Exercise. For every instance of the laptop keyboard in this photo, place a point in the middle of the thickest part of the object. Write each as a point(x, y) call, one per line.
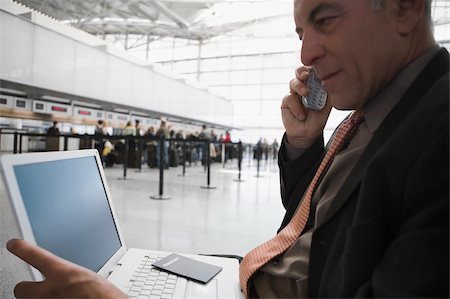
point(149, 282)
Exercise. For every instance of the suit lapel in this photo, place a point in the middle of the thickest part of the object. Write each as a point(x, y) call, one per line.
point(436, 68)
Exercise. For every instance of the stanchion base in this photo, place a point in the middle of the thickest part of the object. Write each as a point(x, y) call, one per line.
point(259, 176)
point(159, 197)
point(123, 178)
point(139, 171)
point(208, 187)
point(239, 180)
point(182, 175)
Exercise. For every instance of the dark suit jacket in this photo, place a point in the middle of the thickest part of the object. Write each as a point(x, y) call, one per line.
point(387, 232)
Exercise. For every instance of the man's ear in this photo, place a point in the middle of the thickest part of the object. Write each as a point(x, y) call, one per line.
point(408, 14)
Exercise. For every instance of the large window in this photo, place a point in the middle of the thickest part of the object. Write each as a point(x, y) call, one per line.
point(252, 67)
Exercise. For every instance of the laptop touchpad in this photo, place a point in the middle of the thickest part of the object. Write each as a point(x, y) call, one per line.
point(197, 290)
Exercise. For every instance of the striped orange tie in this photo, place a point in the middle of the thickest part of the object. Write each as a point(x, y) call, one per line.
point(262, 254)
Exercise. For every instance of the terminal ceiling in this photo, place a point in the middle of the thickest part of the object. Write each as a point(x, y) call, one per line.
point(187, 19)
point(145, 21)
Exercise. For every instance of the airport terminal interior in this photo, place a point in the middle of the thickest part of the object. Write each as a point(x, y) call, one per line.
point(211, 73)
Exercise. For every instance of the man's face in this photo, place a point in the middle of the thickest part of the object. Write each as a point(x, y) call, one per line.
point(351, 45)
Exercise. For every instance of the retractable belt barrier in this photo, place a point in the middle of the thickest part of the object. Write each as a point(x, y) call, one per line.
point(88, 141)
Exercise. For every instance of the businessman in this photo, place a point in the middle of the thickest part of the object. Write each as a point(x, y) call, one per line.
point(368, 214)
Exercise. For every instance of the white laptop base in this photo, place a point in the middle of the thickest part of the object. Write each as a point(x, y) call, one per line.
point(124, 277)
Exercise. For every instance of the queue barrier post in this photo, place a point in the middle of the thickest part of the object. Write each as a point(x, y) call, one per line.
point(190, 156)
point(240, 157)
point(66, 142)
point(140, 152)
point(249, 148)
point(222, 153)
point(125, 159)
point(15, 142)
point(258, 160)
point(184, 159)
point(208, 167)
point(160, 195)
point(20, 143)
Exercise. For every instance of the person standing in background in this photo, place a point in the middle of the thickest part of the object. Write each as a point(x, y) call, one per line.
point(52, 141)
point(228, 147)
point(137, 127)
point(274, 147)
point(100, 132)
point(53, 130)
point(129, 129)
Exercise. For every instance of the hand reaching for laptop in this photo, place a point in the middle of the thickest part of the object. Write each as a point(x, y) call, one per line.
point(63, 279)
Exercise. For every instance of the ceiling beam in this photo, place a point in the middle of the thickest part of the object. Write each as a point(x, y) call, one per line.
point(167, 29)
point(140, 11)
point(442, 21)
point(182, 23)
point(108, 11)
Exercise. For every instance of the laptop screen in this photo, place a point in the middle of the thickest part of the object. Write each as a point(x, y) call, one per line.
point(68, 210)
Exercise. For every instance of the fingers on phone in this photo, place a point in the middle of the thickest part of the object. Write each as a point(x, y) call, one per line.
point(302, 73)
point(298, 87)
point(292, 103)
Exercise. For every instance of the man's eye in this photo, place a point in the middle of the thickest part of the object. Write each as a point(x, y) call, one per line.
point(325, 22)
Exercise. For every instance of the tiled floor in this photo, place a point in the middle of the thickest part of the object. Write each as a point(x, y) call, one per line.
point(232, 218)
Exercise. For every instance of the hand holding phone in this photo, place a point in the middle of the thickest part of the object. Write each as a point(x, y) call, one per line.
point(303, 122)
point(317, 97)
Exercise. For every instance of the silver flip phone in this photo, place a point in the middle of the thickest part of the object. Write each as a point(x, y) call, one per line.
point(317, 96)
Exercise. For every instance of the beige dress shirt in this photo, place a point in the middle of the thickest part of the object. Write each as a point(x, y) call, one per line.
point(287, 275)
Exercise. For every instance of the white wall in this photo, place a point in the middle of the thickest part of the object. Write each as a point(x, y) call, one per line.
point(32, 53)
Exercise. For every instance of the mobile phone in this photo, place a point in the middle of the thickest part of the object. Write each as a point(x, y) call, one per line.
point(317, 96)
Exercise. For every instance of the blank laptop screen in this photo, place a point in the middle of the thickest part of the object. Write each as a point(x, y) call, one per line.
point(68, 210)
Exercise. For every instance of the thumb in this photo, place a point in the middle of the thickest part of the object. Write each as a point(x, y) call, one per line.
point(29, 289)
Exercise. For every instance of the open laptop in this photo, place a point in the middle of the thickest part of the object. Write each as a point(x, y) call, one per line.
point(62, 203)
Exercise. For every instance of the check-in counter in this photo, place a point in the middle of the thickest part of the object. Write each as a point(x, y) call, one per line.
point(7, 140)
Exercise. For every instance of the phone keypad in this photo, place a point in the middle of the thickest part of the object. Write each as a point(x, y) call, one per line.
point(317, 96)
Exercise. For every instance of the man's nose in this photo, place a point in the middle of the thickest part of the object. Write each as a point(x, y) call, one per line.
point(312, 48)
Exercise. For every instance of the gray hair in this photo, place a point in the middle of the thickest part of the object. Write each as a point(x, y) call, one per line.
point(377, 4)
